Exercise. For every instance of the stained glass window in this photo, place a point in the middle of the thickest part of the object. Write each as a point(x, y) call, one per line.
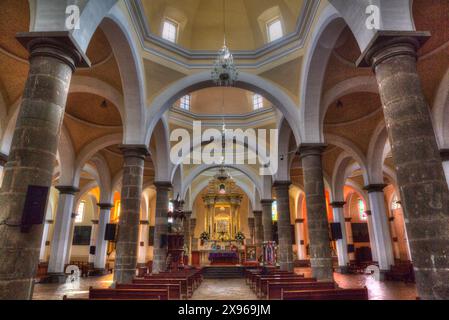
point(362, 212)
point(80, 212)
point(275, 211)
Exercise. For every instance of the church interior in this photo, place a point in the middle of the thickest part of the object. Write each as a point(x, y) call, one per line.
point(103, 198)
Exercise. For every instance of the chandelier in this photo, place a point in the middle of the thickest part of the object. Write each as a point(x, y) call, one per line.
point(225, 72)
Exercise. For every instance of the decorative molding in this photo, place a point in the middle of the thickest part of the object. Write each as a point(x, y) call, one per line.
point(105, 206)
point(296, 40)
point(337, 204)
point(372, 188)
point(67, 190)
point(144, 222)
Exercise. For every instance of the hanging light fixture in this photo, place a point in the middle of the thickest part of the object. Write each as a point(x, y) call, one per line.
point(225, 72)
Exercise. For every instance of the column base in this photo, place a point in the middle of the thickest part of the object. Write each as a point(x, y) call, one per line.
point(55, 278)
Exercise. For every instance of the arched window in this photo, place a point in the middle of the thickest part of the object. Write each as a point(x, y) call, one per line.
point(185, 102)
point(275, 211)
point(171, 208)
point(274, 29)
point(257, 102)
point(170, 30)
point(362, 213)
point(80, 212)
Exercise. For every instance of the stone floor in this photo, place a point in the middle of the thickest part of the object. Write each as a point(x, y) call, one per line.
point(231, 289)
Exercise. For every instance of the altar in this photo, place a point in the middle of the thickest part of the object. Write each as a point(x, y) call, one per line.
point(224, 258)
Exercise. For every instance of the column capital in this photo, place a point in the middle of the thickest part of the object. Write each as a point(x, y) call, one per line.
point(105, 206)
point(299, 221)
point(387, 44)
point(338, 204)
point(67, 190)
point(368, 213)
point(282, 184)
point(95, 222)
point(257, 213)
point(49, 221)
point(3, 159)
point(144, 222)
point(308, 149)
point(375, 188)
point(56, 44)
point(348, 219)
point(134, 150)
point(163, 185)
point(267, 202)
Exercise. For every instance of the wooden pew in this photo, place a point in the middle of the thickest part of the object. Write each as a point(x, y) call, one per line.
point(255, 276)
point(127, 294)
point(260, 281)
point(261, 285)
point(181, 282)
point(274, 289)
point(335, 294)
point(174, 290)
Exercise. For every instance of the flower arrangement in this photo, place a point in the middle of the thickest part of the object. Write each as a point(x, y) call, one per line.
point(205, 236)
point(240, 237)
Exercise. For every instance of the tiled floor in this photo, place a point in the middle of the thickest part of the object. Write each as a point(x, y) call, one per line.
point(235, 289)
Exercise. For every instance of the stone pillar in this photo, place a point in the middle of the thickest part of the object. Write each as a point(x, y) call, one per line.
point(286, 260)
point(101, 244)
point(420, 174)
point(342, 244)
point(144, 236)
point(381, 227)
point(320, 250)
point(53, 58)
point(258, 228)
point(372, 235)
point(43, 256)
point(61, 234)
point(193, 240)
point(251, 225)
point(161, 227)
point(300, 242)
point(267, 219)
point(70, 242)
point(187, 237)
point(3, 161)
point(93, 239)
point(128, 230)
point(350, 240)
point(394, 238)
point(445, 158)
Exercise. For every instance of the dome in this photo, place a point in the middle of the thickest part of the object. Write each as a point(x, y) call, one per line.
point(200, 22)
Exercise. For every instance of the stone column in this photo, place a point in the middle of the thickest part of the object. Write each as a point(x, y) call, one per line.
point(300, 242)
point(61, 234)
point(187, 237)
point(251, 225)
point(320, 250)
point(267, 219)
point(445, 158)
point(101, 244)
point(349, 238)
point(144, 235)
point(53, 58)
point(128, 230)
point(3, 161)
point(381, 227)
point(193, 240)
point(420, 174)
point(342, 244)
point(394, 238)
point(161, 227)
point(372, 235)
point(258, 228)
point(43, 256)
point(93, 239)
point(286, 260)
point(71, 233)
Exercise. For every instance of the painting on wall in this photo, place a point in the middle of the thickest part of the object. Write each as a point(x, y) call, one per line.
point(81, 235)
point(250, 254)
point(360, 232)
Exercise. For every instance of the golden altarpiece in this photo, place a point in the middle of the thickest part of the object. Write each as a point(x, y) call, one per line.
point(222, 205)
